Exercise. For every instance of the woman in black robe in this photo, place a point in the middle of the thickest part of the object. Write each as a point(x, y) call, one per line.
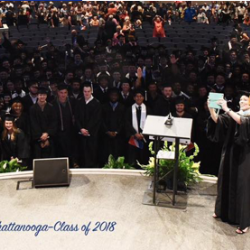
point(13, 141)
point(233, 198)
point(21, 119)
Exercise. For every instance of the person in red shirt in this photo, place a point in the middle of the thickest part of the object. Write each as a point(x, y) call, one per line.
point(159, 27)
point(111, 10)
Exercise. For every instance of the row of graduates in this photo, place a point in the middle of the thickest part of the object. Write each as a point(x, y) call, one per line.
point(85, 130)
point(110, 129)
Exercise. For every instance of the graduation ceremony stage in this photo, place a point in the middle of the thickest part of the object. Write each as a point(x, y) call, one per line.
point(111, 196)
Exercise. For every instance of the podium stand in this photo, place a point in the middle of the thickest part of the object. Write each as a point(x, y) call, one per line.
point(180, 129)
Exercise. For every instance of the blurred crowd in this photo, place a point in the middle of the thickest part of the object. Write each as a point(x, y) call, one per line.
point(169, 81)
point(93, 13)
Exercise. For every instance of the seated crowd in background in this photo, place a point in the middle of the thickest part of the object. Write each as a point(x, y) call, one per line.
point(86, 102)
point(92, 13)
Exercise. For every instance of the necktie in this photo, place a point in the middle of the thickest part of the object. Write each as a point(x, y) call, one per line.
point(138, 115)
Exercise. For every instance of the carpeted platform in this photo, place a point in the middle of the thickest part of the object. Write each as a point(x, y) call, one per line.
point(112, 198)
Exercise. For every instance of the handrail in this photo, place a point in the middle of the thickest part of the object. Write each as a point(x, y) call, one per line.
point(96, 171)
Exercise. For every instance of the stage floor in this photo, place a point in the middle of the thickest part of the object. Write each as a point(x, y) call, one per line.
point(112, 198)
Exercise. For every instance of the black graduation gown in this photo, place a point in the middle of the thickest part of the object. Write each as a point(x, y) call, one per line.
point(64, 138)
point(43, 122)
point(163, 106)
point(88, 116)
point(185, 115)
point(128, 102)
point(152, 101)
point(18, 148)
point(113, 121)
point(134, 153)
point(80, 96)
point(233, 198)
point(101, 96)
point(22, 122)
point(210, 151)
point(27, 103)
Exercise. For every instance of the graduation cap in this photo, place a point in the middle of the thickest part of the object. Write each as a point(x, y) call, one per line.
point(233, 35)
point(179, 100)
point(2, 69)
point(125, 63)
point(243, 92)
point(87, 85)
point(16, 100)
point(201, 86)
point(113, 91)
point(103, 76)
point(21, 42)
point(176, 52)
point(32, 82)
point(139, 91)
point(125, 80)
point(42, 90)
point(233, 50)
point(153, 83)
point(220, 74)
point(131, 62)
point(156, 73)
point(190, 49)
point(5, 58)
point(202, 58)
point(7, 94)
point(9, 117)
point(205, 48)
point(115, 61)
point(62, 87)
point(102, 63)
point(212, 53)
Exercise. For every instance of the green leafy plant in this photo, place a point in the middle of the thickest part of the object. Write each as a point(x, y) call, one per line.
point(188, 170)
point(11, 166)
point(118, 163)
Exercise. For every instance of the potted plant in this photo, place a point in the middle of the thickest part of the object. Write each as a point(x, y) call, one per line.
point(118, 163)
point(11, 166)
point(188, 170)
